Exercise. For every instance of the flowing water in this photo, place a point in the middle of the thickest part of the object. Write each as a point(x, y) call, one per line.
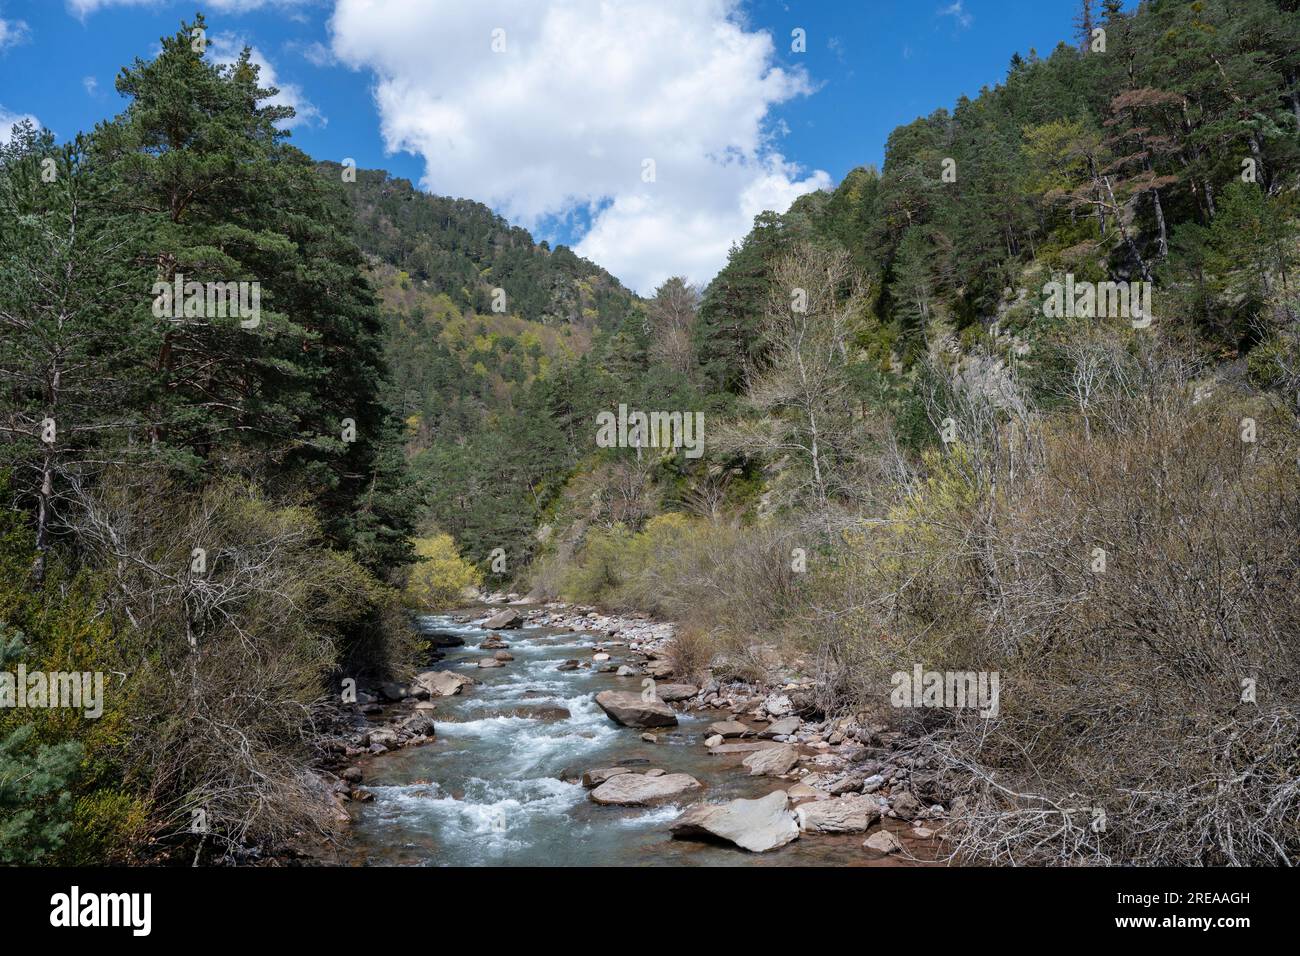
point(491, 790)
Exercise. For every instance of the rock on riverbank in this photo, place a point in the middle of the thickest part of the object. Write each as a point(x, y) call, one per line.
point(754, 825)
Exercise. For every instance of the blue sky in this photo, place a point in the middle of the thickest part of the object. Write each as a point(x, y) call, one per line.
point(554, 128)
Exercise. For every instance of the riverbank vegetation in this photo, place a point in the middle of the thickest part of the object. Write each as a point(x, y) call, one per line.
point(911, 456)
point(933, 466)
point(206, 509)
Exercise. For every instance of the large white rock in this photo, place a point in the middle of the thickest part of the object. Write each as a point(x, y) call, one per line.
point(631, 710)
point(441, 683)
point(633, 789)
point(853, 814)
point(755, 825)
point(503, 619)
point(771, 762)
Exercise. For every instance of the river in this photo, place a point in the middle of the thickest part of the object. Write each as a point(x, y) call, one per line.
point(491, 788)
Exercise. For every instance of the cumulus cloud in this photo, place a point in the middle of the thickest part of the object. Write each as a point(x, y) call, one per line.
point(12, 32)
point(9, 120)
point(563, 119)
point(226, 47)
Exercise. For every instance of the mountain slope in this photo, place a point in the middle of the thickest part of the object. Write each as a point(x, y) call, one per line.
point(464, 250)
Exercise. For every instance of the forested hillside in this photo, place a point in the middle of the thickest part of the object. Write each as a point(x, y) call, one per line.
point(205, 504)
point(462, 249)
point(940, 427)
point(936, 433)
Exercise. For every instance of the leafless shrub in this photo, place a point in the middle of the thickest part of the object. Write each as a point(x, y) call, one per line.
point(233, 648)
point(1133, 584)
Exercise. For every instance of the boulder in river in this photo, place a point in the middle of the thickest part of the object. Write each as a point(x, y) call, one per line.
point(503, 619)
point(535, 712)
point(568, 666)
point(490, 662)
point(853, 814)
point(772, 761)
point(418, 725)
point(441, 683)
point(631, 710)
point(882, 842)
point(729, 728)
point(748, 747)
point(634, 789)
point(803, 791)
point(754, 825)
point(781, 728)
point(594, 778)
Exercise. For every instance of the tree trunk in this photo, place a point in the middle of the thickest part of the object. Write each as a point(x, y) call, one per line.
point(1160, 223)
point(43, 498)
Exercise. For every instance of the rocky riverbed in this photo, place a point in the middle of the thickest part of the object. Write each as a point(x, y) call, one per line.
point(556, 734)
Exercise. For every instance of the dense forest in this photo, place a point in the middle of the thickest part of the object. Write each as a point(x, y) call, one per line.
point(911, 451)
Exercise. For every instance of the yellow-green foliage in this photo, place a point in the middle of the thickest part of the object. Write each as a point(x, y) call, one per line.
point(637, 570)
point(441, 575)
point(106, 825)
point(64, 631)
point(728, 580)
point(601, 568)
point(945, 495)
point(911, 555)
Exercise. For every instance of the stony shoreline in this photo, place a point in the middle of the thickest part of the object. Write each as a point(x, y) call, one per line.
point(830, 776)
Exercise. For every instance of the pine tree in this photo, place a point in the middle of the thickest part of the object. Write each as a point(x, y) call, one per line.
point(74, 327)
point(296, 390)
point(1083, 25)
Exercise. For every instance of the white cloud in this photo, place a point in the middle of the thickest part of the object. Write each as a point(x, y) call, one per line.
point(315, 53)
point(226, 47)
point(12, 32)
point(91, 84)
point(958, 13)
point(8, 120)
point(563, 119)
point(83, 8)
